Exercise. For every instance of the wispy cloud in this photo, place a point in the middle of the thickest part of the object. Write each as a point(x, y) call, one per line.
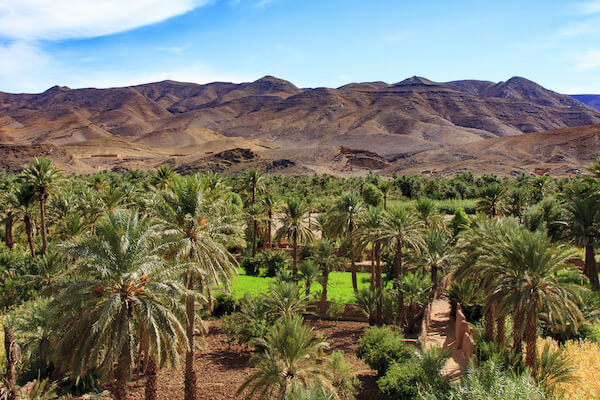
point(588, 7)
point(588, 60)
point(64, 19)
point(588, 27)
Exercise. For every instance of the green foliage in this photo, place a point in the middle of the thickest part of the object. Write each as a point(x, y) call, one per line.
point(272, 261)
point(371, 195)
point(336, 309)
point(342, 376)
point(401, 381)
point(251, 266)
point(380, 347)
point(225, 304)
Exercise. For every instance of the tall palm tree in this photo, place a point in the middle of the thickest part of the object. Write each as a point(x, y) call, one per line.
point(254, 182)
point(437, 253)
point(290, 357)
point(254, 216)
point(294, 227)
point(162, 176)
point(584, 229)
point(43, 178)
point(200, 229)
point(9, 213)
point(426, 210)
point(342, 221)
point(516, 202)
point(371, 232)
point(269, 206)
point(385, 187)
point(492, 200)
point(25, 197)
point(120, 293)
point(529, 282)
point(328, 262)
point(401, 230)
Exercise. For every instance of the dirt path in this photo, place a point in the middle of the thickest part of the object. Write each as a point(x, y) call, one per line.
point(441, 333)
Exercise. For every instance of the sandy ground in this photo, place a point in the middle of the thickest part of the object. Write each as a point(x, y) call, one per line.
point(221, 367)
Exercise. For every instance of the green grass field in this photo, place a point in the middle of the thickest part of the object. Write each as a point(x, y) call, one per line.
point(339, 288)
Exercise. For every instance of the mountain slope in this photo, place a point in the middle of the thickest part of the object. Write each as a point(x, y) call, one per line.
point(158, 121)
point(592, 100)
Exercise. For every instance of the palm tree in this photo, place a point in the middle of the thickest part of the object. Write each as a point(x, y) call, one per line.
point(426, 210)
point(584, 229)
point(162, 176)
point(308, 272)
point(371, 232)
point(385, 188)
point(25, 198)
point(437, 253)
point(491, 201)
point(529, 282)
point(401, 229)
point(294, 226)
point(254, 182)
point(516, 202)
point(284, 300)
point(269, 206)
point(120, 293)
point(12, 352)
point(8, 204)
point(200, 230)
point(254, 215)
point(43, 178)
point(327, 262)
point(290, 357)
point(35, 325)
point(342, 221)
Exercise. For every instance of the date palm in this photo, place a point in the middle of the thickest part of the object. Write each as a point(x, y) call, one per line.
point(342, 221)
point(492, 200)
point(327, 261)
point(289, 358)
point(162, 176)
point(402, 230)
point(437, 253)
point(371, 232)
point(254, 182)
point(294, 227)
point(269, 207)
point(199, 229)
point(25, 197)
point(9, 213)
point(120, 294)
point(584, 229)
point(529, 282)
point(43, 178)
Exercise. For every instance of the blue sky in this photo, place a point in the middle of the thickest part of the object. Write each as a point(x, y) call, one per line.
point(104, 43)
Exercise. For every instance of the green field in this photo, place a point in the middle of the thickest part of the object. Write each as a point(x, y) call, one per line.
point(339, 288)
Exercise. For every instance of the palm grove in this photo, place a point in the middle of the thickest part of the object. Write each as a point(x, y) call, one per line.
point(107, 275)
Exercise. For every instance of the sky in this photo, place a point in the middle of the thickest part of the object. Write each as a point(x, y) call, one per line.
point(312, 43)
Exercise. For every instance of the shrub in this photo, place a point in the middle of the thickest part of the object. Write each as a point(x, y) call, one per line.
point(336, 309)
point(250, 266)
point(343, 380)
point(372, 195)
point(272, 261)
point(380, 347)
point(225, 304)
point(402, 381)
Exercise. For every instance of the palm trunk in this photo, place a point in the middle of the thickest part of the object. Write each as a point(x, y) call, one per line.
point(8, 231)
point(518, 331)
point(43, 222)
point(325, 284)
point(190, 373)
point(385, 202)
point(29, 231)
point(12, 353)
point(398, 273)
point(501, 331)
point(434, 277)
point(294, 255)
point(379, 280)
point(531, 338)
point(591, 270)
point(352, 263)
point(121, 374)
point(151, 380)
point(268, 234)
point(254, 233)
point(307, 289)
point(373, 267)
point(489, 323)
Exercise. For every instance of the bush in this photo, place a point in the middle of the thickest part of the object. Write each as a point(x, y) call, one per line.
point(343, 380)
point(380, 347)
point(225, 304)
point(272, 261)
point(402, 381)
point(336, 309)
point(372, 195)
point(250, 266)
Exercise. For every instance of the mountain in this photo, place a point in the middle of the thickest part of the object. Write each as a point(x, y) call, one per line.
point(592, 100)
point(344, 130)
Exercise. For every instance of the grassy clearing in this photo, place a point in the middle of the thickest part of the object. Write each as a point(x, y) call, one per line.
point(443, 206)
point(339, 288)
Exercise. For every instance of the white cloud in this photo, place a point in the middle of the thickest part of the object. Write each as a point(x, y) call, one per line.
point(589, 7)
point(64, 19)
point(25, 67)
point(588, 60)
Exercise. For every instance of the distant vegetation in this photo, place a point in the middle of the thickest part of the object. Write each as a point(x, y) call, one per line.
point(108, 276)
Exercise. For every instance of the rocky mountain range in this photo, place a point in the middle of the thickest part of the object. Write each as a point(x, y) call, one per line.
point(273, 125)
